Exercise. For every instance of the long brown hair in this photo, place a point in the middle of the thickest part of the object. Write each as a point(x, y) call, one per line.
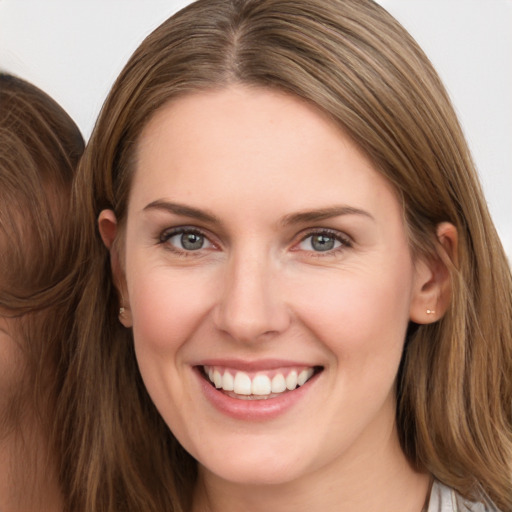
point(39, 150)
point(352, 60)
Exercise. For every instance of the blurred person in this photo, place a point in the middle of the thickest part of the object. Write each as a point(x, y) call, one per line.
point(39, 149)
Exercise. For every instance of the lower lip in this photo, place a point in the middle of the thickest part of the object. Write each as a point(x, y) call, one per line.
point(253, 410)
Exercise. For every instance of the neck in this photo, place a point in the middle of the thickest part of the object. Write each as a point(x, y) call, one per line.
point(382, 480)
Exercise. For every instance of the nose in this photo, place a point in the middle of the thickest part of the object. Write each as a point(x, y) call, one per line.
point(251, 306)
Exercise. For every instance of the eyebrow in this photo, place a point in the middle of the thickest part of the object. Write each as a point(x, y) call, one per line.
point(293, 218)
point(181, 209)
point(323, 214)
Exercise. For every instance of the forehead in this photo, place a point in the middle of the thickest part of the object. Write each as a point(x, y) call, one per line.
point(242, 142)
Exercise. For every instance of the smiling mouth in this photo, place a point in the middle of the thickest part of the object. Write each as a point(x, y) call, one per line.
point(261, 385)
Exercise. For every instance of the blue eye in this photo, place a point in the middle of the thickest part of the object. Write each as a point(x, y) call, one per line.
point(321, 242)
point(184, 239)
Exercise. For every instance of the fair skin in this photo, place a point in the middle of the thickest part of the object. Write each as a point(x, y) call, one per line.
point(260, 241)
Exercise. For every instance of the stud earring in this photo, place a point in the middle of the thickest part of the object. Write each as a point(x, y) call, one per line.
point(121, 311)
point(430, 312)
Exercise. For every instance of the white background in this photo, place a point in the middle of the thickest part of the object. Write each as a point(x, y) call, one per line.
point(74, 49)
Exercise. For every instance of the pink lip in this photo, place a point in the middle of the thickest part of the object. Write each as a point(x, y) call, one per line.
point(253, 366)
point(252, 410)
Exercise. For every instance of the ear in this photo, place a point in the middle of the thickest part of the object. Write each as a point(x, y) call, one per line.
point(432, 286)
point(108, 228)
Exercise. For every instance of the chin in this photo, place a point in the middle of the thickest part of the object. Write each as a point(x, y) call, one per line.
point(251, 475)
point(254, 466)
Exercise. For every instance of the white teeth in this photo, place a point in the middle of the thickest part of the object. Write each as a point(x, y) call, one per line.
point(217, 379)
point(242, 384)
point(261, 385)
point(278, 383)
point(291, 380)
point(228, 383)
point(304, 376)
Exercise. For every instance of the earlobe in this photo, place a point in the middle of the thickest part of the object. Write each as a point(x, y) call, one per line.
point(433, 288)
point(108, 228)
point(125, 315)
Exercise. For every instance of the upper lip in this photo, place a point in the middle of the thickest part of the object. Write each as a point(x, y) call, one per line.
point(254, 365)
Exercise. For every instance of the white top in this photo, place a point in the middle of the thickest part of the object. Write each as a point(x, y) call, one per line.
point(445, 499)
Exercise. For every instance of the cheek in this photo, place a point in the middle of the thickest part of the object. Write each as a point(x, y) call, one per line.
point(167, 306)
point(358, 315)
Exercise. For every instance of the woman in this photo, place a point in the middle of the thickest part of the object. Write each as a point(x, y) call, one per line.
point(39, 148)
point(292, 306)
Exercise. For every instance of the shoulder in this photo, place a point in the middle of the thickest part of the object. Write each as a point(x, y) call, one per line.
point(446, 499)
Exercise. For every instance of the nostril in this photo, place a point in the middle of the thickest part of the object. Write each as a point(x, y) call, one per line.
point(251, 324)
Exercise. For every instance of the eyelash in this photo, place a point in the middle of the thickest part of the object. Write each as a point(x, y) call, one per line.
point(165, 236)
point(344, 241)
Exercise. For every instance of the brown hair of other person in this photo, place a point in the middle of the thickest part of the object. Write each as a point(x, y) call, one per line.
point(40, 146)
point(352, 60)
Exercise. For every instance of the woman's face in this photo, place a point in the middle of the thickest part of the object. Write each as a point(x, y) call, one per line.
point(264, 252)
